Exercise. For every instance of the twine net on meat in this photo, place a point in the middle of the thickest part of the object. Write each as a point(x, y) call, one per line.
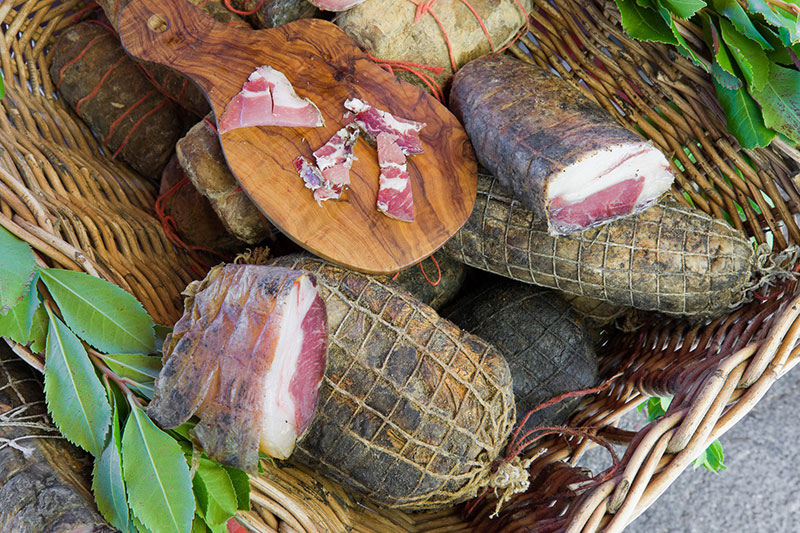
point(610, 262)
point(61, 192)
point(415, 392)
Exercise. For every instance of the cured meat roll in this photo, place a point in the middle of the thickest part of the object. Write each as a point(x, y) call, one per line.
point(563, 156)
point(247, 358)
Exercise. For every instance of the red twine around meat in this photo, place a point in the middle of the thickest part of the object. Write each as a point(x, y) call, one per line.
point(518, 443)
point(243, 13)
point(171, 230)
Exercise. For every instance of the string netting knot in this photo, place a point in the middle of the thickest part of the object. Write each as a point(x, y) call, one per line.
point(511, 477)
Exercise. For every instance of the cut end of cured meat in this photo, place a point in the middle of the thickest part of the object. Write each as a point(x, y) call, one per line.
point(247, 358)
point(292, 383)
point(395, 198)
point(335, 5)
point(605, 185)
point(373, 121)
point(267, 98)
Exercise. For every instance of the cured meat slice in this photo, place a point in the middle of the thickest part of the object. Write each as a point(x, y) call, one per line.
point(335, 159)
point(563, 156)
point(267, 98)
point(395, 197)
point(310, 173)
point(335, 5)
point(373, 121)
point(247, 358)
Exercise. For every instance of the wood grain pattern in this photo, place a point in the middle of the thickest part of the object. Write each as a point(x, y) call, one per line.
point(325, 66)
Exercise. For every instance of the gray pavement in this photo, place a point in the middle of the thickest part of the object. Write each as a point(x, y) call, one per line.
point(759, 490)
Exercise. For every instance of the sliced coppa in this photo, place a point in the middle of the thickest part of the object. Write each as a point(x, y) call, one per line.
point(563, 156)
point(412, 410)
point(335, 5)
point(373, 121)
point(669, 258)
point(395, 196)
point(267, 98)
point(247, 357)
point(334, 160)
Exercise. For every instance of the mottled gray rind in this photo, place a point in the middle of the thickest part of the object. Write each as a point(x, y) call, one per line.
point(49, 490)
point(412, 410)
point(437, 296)
point(527, 124)
point(547, 348)
point(668, 258)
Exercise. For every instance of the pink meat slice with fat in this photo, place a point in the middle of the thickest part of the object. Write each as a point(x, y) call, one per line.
point(247, 358)
point(373, 121)
point(331, 175)
point(267, 98)
point(395, 198)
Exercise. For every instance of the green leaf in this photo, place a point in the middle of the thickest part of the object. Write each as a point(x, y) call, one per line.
point(684, 8)
point(198, 525)
point(161, 334)
point(107, 483)
point(136, 367)
point(656, 406)
point(734, 12)
point(75, 397)
point(681, 44)
point(721, 68)
point(100, 313)
point(157, 476)
point(241, 484)
point(16, 324)
point(743, 117)
point(780, 101)
point(748, 55)
point(17, 270)
point(711, 458)
point(221, 499)
point(2, 89)
point(644, 23)
point(788, 27)
point(38, 333)
point(141, 528)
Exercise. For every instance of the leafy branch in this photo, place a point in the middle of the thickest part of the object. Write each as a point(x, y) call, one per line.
point(750, 48)
point(711, 458)
point(98, 344)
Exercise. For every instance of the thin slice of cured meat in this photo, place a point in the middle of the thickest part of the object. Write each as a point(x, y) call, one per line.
point(311, 175)
point(247, 358)
point(373, 121)
point(335, 5)
point(395, 197)
point(335, 159)
point(267, 98)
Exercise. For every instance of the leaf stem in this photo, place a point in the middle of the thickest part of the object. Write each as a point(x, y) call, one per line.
point(786, 6)
point(97, 359)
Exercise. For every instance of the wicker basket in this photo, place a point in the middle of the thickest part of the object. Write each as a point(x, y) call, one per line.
point(81, 210)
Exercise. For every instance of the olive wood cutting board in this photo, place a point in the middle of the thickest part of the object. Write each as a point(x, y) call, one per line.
point(324, 65)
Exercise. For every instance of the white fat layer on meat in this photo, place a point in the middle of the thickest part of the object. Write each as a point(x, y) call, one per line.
point(398, 184)
point(357, 106)
point(340, 154)
point(278, 430)
point(283, 94)
point(596, 172)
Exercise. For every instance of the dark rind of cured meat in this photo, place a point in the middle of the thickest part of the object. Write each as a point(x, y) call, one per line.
point(47, 488)
point(274, 13)
point(437, 296)
point(669, 258)
point(109, 91)
point(527, 124)
point(547, 348)
point(201, 157)
point(219, 355)
point(195, 220)
point(412, 410)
